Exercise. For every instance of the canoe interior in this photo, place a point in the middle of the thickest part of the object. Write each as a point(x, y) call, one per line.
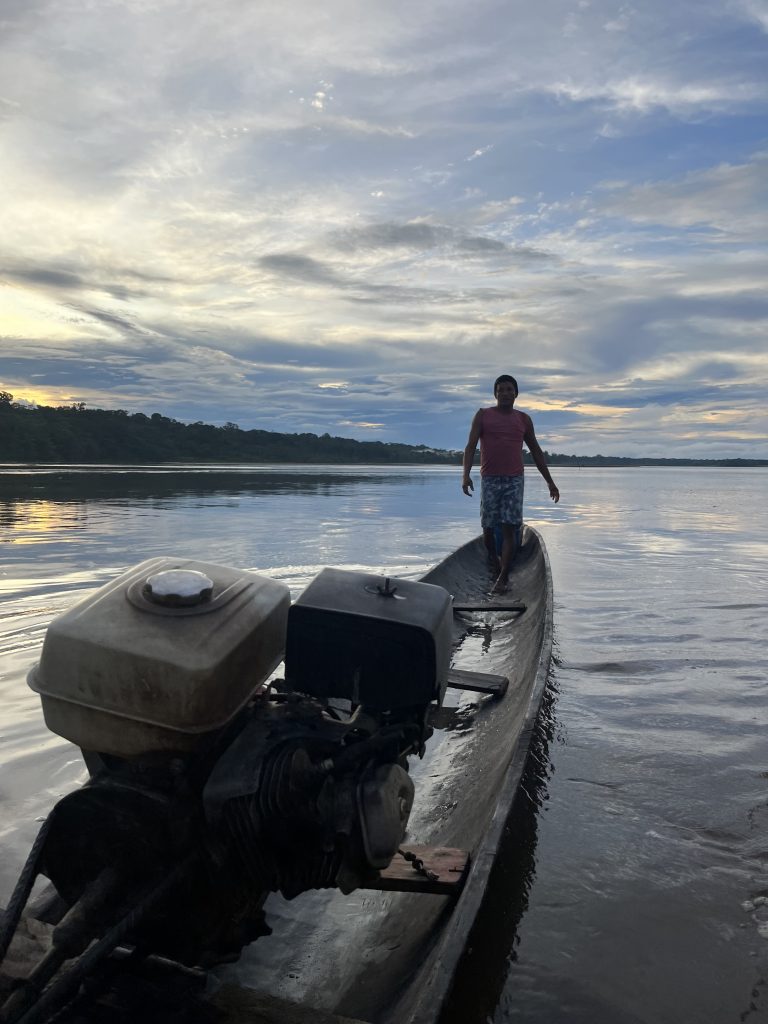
point(386, 957)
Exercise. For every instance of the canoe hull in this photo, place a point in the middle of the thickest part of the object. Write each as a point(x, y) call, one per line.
point(387, 957)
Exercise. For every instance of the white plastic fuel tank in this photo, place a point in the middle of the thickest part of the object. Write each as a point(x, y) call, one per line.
point(160, 658)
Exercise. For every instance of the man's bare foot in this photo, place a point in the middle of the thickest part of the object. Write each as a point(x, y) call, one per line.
point(500, 586)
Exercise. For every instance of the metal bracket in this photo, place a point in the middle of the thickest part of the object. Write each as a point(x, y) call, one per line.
point(442, 871)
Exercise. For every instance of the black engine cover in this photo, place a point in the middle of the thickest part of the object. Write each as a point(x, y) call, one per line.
point(385, 644)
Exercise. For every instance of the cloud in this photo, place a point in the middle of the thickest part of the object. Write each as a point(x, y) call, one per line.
point(480, 152)
point(302, 268)
point(421, 236)
point(49, 373)
point(729, 201)
point(755, 10)
point(311, 272)
point(59, 279)
point(642, 94)
point(361, 425)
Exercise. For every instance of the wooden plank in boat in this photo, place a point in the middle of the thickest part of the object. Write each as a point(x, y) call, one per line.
point(490, 606)
point(446, 862)
point(479, 682)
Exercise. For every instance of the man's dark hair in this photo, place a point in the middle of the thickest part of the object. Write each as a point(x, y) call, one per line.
point(505, 379)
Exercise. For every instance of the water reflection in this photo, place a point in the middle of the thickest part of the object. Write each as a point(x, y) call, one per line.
point(476, 640)
point(491, 948)
point(22, 522)
point(289, 520)
point(147, 484)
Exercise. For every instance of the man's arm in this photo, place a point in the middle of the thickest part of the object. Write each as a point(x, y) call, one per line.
point(538, 457)
point(469, 453)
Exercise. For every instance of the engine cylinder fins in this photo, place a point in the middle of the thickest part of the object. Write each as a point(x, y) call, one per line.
point(275, 863)
point(287, 787)
point(243, 824)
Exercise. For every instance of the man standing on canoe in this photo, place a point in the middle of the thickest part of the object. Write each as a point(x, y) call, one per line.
point(502, 430)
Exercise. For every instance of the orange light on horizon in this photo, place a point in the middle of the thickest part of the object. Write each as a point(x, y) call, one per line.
point(580, 408)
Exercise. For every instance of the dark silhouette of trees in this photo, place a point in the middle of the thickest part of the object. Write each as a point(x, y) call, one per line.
point(77, 434)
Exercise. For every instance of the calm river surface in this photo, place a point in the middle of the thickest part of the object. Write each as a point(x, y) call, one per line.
point(637, 889)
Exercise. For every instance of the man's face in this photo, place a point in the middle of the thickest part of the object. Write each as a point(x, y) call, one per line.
point(505, 394)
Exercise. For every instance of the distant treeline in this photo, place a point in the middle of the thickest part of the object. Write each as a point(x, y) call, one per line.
point(76, 434)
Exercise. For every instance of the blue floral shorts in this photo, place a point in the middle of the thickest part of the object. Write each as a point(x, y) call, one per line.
point(501, 500)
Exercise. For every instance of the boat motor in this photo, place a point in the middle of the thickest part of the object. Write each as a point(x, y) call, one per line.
point(212, 782)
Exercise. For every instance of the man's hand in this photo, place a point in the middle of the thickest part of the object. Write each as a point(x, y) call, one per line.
point(554, 493)
point(467, 486)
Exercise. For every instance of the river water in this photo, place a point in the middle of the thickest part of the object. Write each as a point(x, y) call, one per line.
point(634, 885)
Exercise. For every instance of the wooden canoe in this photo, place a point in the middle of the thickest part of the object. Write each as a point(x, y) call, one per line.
point(389, 957)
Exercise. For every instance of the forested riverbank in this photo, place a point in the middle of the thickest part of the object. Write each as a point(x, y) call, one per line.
point(75, 434)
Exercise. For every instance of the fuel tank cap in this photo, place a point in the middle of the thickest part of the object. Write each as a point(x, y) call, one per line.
point(178, 588)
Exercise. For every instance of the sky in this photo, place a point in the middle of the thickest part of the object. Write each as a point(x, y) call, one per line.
point(351, 216)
